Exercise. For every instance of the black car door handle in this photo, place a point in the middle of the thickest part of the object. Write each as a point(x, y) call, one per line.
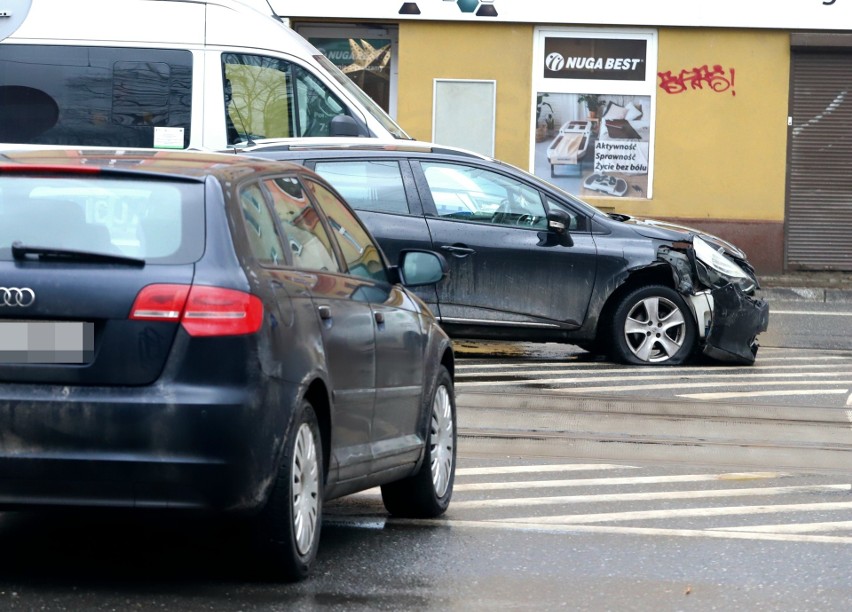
point(458, 251)
point(324, 312)
point(380, 317)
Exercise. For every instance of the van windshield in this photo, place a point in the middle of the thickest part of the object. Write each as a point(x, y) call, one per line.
point(366, 101)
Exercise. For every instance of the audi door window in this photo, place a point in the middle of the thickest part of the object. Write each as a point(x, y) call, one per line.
point(310, 246)
point(260, 228)
point(362, 256)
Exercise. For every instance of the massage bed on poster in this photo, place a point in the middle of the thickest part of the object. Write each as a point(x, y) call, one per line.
point(570, 145)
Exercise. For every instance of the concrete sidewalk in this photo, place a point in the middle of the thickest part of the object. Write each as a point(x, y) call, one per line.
point(808, 286)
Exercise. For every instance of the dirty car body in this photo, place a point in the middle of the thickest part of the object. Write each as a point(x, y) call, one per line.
point(530, 262)
point(210, 333)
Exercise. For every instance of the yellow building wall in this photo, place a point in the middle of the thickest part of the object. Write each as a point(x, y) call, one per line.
point(717, 155)
point(720, 155)
point(440, 50)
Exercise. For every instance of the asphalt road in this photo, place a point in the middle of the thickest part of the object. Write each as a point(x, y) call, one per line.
point(723, 505)
point(521, 534)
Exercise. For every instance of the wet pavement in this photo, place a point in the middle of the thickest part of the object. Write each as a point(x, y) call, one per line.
point(818, 286)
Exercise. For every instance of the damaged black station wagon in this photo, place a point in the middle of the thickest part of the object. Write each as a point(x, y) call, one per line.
point(529, 262)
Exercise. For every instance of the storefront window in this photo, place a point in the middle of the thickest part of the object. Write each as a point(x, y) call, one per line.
point(594, 110)
point(365, 55)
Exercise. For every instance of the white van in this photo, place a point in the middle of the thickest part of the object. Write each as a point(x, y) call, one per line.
point(170, 74)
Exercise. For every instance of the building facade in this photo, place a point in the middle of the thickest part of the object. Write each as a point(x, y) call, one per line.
point(735, 122)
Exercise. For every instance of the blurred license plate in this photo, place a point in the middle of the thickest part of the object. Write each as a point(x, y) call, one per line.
point(46, 342)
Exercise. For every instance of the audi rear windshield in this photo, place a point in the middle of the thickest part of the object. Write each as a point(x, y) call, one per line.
point(157, 221)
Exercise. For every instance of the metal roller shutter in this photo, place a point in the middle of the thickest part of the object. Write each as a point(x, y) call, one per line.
point(819, 183)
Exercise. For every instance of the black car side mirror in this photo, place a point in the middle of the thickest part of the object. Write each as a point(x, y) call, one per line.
point(343, 125)
point(558, 222)
point(419, 267)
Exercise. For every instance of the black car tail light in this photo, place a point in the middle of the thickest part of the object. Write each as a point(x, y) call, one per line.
point(203, 311)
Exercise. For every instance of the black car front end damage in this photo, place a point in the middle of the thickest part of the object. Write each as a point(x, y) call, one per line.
point(719, 285)
point(737, 319)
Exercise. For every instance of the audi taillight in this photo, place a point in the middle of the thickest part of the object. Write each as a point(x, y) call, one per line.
point(202, 311)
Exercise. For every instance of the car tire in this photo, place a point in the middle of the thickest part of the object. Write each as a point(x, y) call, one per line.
point(288, 528)
point(427, 493)
point(652, 325)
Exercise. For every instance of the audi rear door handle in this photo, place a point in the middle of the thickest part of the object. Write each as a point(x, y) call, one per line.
point(324, 312)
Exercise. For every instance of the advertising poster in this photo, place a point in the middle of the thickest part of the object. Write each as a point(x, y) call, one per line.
point(365, 61)
point(599, 152)
point(593, 113)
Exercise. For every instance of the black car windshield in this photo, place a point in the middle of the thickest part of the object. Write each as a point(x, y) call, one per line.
point(152, 220)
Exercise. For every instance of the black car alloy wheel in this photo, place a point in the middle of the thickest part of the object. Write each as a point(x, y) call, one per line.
point(652, 326)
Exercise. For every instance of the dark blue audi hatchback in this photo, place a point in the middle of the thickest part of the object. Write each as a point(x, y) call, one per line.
point(212, 332)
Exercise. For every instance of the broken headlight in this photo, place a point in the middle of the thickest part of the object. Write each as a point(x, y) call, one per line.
point(721, 269)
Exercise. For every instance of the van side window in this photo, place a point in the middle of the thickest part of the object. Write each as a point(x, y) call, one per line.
point(95, 96)
point(266, 97)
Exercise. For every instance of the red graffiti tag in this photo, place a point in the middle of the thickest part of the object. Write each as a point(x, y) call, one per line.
point(715, 78)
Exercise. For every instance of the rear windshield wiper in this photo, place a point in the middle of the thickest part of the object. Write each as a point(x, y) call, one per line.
point(21, 251)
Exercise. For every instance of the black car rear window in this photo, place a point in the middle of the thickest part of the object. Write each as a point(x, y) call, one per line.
point(160, 221)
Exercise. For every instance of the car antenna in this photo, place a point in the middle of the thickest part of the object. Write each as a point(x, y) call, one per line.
point(274, 14)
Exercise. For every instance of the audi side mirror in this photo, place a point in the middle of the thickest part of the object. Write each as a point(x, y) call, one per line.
point(417, 267)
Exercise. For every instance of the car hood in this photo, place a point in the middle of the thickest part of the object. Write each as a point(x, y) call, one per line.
point(664, 230)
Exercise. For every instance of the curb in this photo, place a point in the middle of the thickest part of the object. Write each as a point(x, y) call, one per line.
point(805, 294)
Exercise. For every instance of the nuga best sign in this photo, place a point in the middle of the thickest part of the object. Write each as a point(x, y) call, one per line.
point(594, 58)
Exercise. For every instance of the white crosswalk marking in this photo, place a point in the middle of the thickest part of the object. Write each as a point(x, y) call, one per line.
point(777, 374)
point(655, 496)
point(526, 469)
point(589, 482)
point(776, 393)
point(608, 517)
point(638, 508)
point(696, 378)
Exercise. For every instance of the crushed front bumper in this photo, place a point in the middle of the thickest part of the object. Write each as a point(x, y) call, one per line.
point(736, 321)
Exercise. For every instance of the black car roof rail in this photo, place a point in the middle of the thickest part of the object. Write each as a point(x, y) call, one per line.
point(367, 146)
